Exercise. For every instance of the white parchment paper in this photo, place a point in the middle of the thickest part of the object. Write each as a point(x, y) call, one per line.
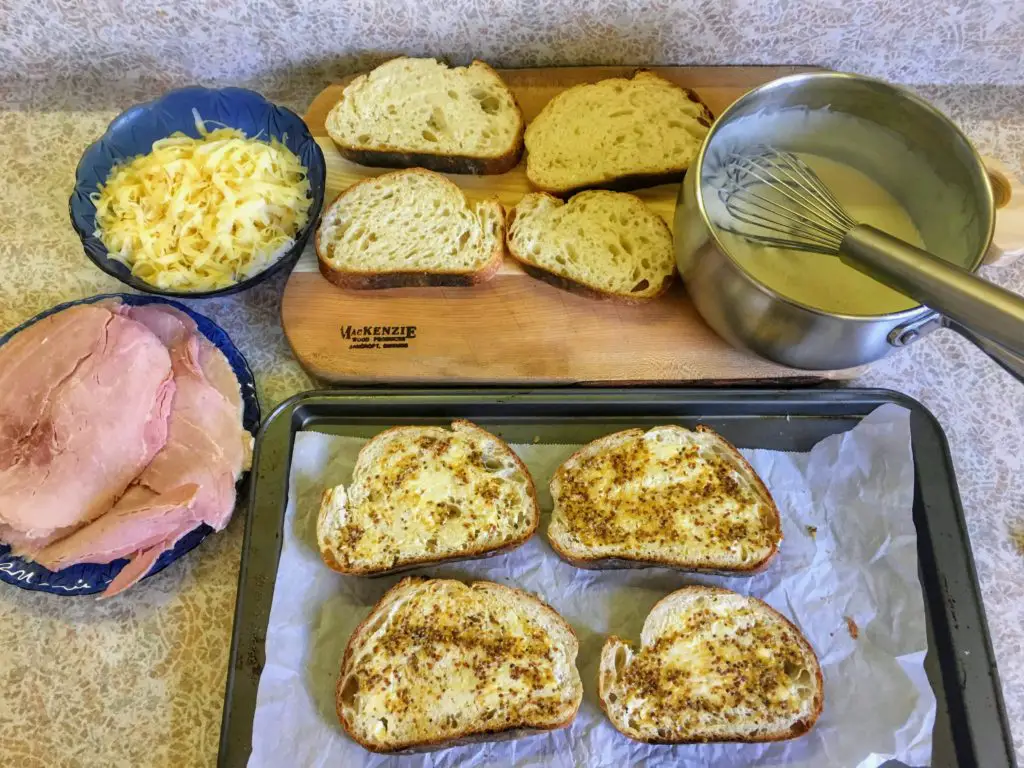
point(847, 565)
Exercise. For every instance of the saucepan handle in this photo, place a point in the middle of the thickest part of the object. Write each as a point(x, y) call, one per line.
point(1005, 358)
point(986, 310)
point(1008, 194)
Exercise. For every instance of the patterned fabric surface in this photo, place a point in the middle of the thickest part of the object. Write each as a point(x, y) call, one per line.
point(923, 41)
point(140, 680)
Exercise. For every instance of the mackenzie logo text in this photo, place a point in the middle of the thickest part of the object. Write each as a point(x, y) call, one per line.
point(378, 336)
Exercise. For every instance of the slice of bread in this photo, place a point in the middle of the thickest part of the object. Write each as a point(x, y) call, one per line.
point(615, 134)
point(439, 662)
point(606, 245)
point(420, 112)
point(712, 665)
point(409, 228)
point(667, 496)
point(427, 495)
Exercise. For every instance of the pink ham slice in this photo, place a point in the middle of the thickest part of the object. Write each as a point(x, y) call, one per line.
point(206, 450)
point(142, 563)
point(206, 446)
point(140, 520)
point(205, 433)
point(173, 327)
point(195, 454)
point(206, 443)
point(85, 396)
point(170, 325)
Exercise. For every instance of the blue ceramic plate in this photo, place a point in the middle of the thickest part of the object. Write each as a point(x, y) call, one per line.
point(133, 132)
point(90, 578)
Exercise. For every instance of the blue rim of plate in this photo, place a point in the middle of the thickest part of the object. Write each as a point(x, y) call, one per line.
point(91, 578)
point(133, 132)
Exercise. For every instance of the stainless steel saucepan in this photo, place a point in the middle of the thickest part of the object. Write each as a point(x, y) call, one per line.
point(898, 140)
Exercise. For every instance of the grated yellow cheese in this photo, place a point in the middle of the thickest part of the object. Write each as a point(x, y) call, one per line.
point(201, 214)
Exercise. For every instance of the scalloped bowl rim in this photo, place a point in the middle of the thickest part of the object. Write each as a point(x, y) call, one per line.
point(120, 271)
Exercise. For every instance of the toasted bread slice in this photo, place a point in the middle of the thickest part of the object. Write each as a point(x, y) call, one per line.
point(667, 496)
point(712, 665)
point(606, 245)
point(420, 112)
point(426, 495)
point(409, 228)
point(615, 134)
point(439, 662)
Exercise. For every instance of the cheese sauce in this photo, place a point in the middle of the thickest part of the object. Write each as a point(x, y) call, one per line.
point(881, 178)
point(819, 280)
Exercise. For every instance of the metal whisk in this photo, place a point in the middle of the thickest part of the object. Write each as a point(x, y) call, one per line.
point(783, 201)
point(774, 198)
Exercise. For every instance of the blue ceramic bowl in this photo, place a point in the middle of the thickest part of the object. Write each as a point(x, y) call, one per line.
point(133, 133)
point(90, 578)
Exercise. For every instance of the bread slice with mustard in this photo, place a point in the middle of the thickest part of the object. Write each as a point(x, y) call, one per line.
point(422, 495)
point(665, 496)
point(712, 666)
point(439, 662)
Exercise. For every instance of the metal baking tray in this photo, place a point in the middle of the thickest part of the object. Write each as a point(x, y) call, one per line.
point(971, 727)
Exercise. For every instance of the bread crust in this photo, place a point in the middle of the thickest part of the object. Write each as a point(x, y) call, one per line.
point(567, 284)
point(469, 736)
point(625, 563)
point(622, 562)
point(352, 281)
point(799, 728)
point(462, 164)
point(396, 157)
point(626, 182)
point(573, 286)
point(473, 553)
point(364, 281)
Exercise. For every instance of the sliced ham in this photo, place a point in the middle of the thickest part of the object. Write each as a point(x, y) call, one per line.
point(140, 520)
point(206, 446)
point(169, 325)
point(172, 327)
point(141, 563)
point(192, 439)
point(206, 443)
point(85, 396)
point(219, 373)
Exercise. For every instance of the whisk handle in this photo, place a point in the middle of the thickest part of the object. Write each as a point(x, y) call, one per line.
point(979, 306)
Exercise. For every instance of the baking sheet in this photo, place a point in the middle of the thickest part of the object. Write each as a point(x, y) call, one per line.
point(854, 574)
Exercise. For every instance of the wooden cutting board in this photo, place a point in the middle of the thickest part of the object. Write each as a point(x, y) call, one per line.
point(515, 329)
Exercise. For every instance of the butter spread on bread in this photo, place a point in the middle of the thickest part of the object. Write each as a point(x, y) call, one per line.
point(424, 495)
point(439, 662)
point(713, 665)
point(665, 496)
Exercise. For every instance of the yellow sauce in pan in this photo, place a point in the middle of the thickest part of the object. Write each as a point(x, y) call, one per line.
point(817, 280)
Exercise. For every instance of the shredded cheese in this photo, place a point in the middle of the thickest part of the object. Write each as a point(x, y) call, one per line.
point(201, 214)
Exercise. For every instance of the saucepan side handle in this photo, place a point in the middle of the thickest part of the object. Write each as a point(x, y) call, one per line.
point(1005, 358)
